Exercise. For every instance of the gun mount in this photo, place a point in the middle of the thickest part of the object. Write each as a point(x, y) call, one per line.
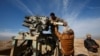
point(35, 39)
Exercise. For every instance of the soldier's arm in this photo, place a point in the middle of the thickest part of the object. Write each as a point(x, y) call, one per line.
point(86, 44)
point(58, 34)
point(96, 43)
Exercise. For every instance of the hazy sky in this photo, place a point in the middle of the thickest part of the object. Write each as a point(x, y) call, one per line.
point(83, 16)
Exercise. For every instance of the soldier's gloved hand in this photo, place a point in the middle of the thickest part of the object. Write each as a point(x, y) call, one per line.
point(64, 23)
point(54, 23)
point(94, 46)
point(51, 22)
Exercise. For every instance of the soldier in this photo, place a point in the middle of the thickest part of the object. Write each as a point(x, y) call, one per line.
point(91, 45)
point(53, 19)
